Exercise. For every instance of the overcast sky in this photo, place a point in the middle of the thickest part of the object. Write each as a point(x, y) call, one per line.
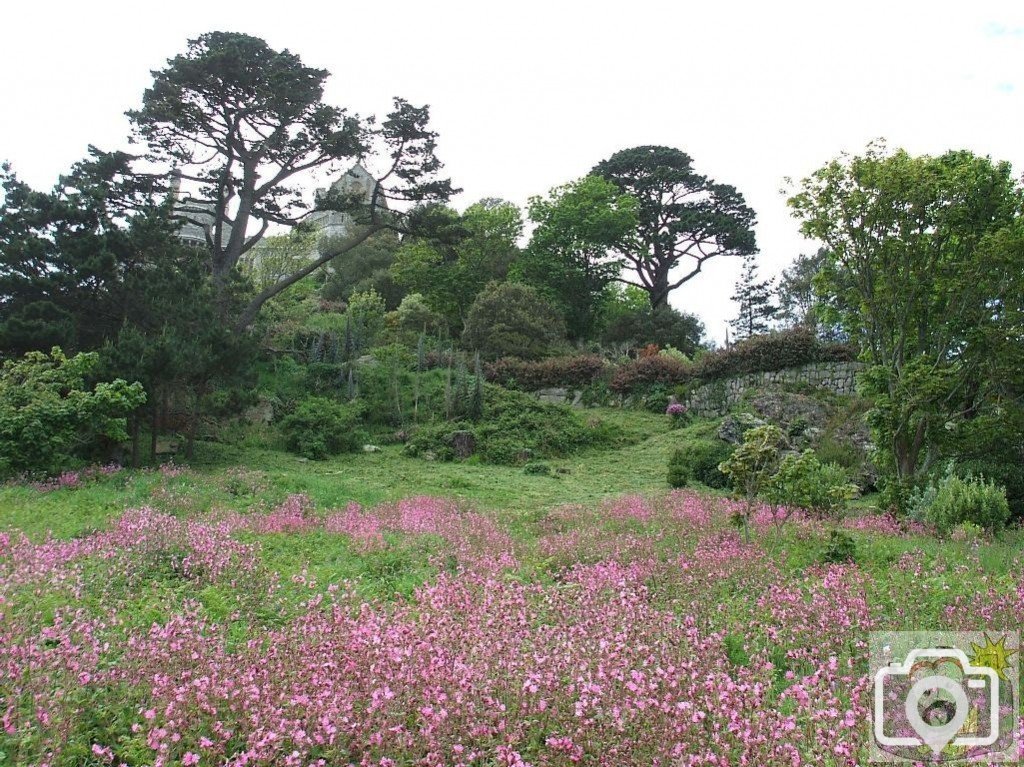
point(528, 95)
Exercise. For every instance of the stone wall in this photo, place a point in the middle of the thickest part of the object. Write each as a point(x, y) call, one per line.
point(717, 397)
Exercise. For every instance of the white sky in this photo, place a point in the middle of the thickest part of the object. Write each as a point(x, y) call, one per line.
point(528, 95)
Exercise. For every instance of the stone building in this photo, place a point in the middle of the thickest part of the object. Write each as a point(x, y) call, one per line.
point(353, 189)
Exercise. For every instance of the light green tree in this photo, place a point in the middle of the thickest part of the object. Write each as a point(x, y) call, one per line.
point(914, 283)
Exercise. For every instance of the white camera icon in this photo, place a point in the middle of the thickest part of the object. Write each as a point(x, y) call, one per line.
point(937, 737)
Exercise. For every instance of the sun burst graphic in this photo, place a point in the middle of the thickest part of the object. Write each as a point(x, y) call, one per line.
point(993, 655)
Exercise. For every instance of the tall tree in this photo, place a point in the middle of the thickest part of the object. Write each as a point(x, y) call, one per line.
point(684, 218)
point(795, 290)
point(754, 298)
point(243, 123)
point(916, 285)
point(66, 254)
point(568, 255)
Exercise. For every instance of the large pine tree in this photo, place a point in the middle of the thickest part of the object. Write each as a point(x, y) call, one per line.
point(754, 298)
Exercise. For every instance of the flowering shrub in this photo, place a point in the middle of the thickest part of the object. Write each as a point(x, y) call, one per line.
point(771, 351)
point(646, 371)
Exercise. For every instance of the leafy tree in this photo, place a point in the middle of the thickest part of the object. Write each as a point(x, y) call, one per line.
point(752, 467)
point(684, 218)
point(243, 122)
point(568, 255)
point(366, 267)
point(65, 256)
point(917, 284)
point(510, 319)
point(50, 415)
point(632, 322)
point(755, 301)
point(477, 247)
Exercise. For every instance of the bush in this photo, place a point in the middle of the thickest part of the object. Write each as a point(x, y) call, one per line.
point(664, 326)
point(570, 372)
point(509, 319)
point(954, 500)
point(840, 549)
point(516, 429)
point(771, 351)
point(805, 482)
point(49, 416)
point(1009, 475)
point(645, 372)
point(698, 462)
point(320, 427)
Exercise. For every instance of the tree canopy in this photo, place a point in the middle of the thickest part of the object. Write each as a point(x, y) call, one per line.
point(242, 123)
point(918, 283)
point(684, 219)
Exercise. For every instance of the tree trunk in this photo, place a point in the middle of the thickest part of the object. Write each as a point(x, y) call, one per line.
point(136, 425)
point(154, 430)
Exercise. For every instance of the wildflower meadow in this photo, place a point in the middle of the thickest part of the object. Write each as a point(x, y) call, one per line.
point(641, 630)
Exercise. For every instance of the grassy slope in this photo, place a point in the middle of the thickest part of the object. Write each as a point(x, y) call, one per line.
point(368, 478)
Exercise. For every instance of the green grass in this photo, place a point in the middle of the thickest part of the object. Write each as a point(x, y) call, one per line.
point(367, 478)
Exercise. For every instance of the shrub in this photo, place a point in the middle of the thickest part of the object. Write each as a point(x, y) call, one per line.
point(509, 319)
point(698, 462)
point(841, 548)
point(771, 351)
point(516, 429)
point(664, 327)
point(49, 416)
point(804, 481)
point(537, 469)
point(954, 500)
point(1007, 474)
point(576, 372)
point(320, 427)
point(645, 372)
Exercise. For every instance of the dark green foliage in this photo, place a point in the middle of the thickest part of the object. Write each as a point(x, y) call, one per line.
point(50, 415)
point(642, 374)
point(567, 259)
point(517, 429)
point(463, 254)
point(537, 469)
point(366, 267)
point(66, 258)
point(320, 427)
point(698, 462)
point(637, 326)
point(678, 210)
point(571, 372)
point(771, 351)
point(510, 319)
point(840, 549)
point(755, 301)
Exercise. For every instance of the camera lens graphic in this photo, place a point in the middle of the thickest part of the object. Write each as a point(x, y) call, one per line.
point(951, 713)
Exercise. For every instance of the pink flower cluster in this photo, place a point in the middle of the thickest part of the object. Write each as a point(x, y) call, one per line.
point(70, 480)
point(659, 638)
